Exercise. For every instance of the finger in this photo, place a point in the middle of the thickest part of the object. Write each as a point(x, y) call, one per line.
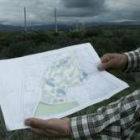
point(105, 66)
point(37, 131)
point(35, 123)
point(49, 132)
point(41, 132)
point(66, 118)
point(46, 132)
point(105, 58)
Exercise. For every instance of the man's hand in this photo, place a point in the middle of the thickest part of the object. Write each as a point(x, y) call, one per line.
point(51, 128)
point(113, 61)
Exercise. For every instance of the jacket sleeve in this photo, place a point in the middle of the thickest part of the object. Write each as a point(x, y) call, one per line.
point(119, 120)
point(133, 64)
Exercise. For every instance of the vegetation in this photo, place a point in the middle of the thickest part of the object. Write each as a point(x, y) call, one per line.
point(104, 39)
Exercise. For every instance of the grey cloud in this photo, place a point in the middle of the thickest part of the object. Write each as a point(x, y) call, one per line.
point(98, 10)
point(80, 8)
point(126, 14)
point(38, 11)
point(85, 11)
point(83, 3)
point(123, 10)
point(69, 11)
point(77, 13)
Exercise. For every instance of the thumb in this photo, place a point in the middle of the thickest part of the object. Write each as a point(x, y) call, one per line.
point(36, 123)
point(105, 66)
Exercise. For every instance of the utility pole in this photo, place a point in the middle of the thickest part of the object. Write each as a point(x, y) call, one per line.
point(55, 14)
point(25, 21)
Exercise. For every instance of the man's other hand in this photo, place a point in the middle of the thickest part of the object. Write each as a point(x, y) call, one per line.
point(113, 61)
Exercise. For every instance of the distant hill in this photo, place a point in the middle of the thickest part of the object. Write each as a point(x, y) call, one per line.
point(124, 23)
point(11, 28)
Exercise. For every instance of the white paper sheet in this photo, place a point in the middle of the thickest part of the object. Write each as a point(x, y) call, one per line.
point(53, 84)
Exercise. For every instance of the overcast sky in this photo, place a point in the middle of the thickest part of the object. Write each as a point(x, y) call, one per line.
point(69, 11)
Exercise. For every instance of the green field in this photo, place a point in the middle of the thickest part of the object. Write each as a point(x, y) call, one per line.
point(104, 40)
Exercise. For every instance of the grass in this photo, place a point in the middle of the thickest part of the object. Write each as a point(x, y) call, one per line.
point(14, 45)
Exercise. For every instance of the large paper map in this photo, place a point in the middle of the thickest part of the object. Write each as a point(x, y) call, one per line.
point(53, 84)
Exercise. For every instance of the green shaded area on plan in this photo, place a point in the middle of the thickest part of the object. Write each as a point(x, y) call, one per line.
point(45, 109)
